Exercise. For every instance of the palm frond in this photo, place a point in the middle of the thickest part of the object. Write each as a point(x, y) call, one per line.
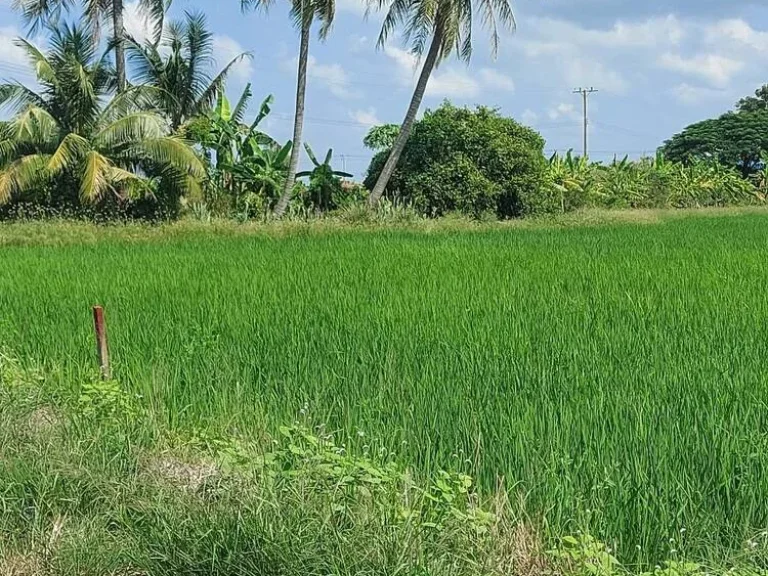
point(496, 13)
point(9, 147)
point(156, 10)
point(134, 99)
point(126, 180)
point(396, 14)
point(39, 61)
point(37, 13)
point(26, 174)
point(169, 152)
point(325, 11)
point(36, 127)
point(129, 129)
point(70, 151)
point(238, 112)
point(209, 95)
point(255, 4)
point(94, 179)
point(16, 96)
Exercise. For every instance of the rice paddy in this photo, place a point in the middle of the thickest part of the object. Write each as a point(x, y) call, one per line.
point(613, 375)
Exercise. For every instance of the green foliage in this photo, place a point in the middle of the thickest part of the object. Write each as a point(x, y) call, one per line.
point(177, 68)
point(584, 555)
point(381, 137)
point(648, 183)
point(71, 142)
point(756, 103)
point(736, 140)
point(677, 568)
point(107, 399)
point(470, 161)
point(246, 166)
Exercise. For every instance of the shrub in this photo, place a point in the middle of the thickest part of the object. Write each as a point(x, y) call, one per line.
point(470, 161)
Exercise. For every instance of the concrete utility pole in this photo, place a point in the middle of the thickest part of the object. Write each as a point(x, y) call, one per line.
point(585, 92)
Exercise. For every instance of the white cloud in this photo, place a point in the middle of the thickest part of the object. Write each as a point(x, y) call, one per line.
point(226, 49)
point(716, 69)
point(496, 80)
point(452, 83)
point(579, 56)
point(136, 22)
point(589, 71)
point(406, 61)
point(648, 33)
point(529, 117)
point(366, 118)
point(563, 110)
point(353, 6)
point(449, 83)
point(694, 95)
point(736, 32)
point(358, 43)
point(332, 76)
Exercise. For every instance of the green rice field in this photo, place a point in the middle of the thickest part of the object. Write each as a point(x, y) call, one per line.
point(614, 375)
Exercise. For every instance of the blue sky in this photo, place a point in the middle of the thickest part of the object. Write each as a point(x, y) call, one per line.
point(659, 65)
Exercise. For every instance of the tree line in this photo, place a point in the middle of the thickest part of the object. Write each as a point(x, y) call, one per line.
point(41, 143)
point(117, 122)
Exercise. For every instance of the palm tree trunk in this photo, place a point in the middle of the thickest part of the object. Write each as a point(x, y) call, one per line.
point(118, 27)
point(410, 118)
point(298, 122)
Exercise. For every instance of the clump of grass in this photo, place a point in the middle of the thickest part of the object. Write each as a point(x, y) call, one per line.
point(101, 500)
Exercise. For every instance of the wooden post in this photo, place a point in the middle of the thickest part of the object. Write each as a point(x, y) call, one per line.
point(102, 349)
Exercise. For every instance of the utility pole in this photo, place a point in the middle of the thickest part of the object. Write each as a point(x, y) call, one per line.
point(585, 92)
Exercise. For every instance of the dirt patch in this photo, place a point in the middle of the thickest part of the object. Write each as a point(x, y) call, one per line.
point(42, 421)
point(181, 474)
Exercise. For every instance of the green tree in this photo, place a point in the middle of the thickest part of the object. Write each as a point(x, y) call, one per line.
point(472, 161)
point(179, 68)
point(449, 24)
point(756, 103)
point(303, 14)
point(734, 139)
point(96, 13)
point(71, 136)
point(381, 137)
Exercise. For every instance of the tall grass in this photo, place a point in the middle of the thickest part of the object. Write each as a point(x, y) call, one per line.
point(613, 375)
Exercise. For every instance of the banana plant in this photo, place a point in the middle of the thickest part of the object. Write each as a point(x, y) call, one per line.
point(324, 182)
point(262, 169)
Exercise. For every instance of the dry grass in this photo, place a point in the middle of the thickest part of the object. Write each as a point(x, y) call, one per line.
point(181, 474)
point(43, 421)
point(21, 565)
point(67, 232)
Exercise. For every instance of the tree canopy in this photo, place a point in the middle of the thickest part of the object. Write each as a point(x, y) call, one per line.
point(733, 139)
point(756, 103)
point(472, 161)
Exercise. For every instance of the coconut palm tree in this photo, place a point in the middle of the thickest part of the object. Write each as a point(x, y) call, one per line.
point(41, 12)
point(303, 14)
point(178, 67)
point(70, 134)
point(449, 25)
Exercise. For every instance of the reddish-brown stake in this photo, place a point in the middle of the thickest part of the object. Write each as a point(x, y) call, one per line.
point(102, 349)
